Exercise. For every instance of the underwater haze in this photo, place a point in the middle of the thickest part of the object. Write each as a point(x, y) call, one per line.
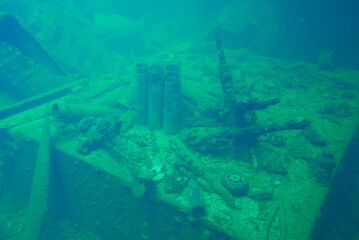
point(179, 120)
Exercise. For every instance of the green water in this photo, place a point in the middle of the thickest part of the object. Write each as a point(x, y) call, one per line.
point(179, 120)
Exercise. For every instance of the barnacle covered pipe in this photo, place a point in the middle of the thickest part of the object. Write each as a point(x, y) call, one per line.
point(155, 97)
point(172, 100)
point(141, 94)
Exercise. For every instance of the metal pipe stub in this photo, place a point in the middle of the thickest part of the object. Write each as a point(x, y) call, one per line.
point(155, 97)
point(172, 100)
point(141, 94)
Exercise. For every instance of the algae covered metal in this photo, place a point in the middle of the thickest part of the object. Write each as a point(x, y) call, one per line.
point(195, 140)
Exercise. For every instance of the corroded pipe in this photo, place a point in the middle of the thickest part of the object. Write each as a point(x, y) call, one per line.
point(172, 101)
point(76, 111)
point(40, 99)
point(141, 94)
point(155, 97)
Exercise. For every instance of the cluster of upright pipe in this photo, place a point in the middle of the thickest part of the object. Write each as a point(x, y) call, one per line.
point(157, 97)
